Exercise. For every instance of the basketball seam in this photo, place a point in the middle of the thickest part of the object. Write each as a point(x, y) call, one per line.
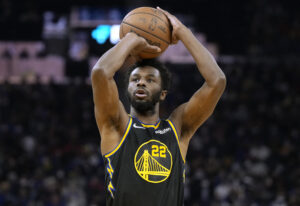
point(149, 14)
point(146, 32)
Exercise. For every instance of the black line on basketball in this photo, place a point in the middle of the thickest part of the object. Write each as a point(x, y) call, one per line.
point(167, 24)
point(146, 32)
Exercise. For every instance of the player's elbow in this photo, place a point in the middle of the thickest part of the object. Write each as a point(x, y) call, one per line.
point(96, 71)
point(97, 74)
point(220, 82)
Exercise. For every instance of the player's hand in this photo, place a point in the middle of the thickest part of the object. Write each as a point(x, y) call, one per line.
point(140, 45)
point(176, 25)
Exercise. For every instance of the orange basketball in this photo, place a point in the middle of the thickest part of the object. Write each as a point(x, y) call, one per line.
point(151, 24)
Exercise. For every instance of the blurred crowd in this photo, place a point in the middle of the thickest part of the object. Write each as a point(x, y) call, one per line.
point(245, 154)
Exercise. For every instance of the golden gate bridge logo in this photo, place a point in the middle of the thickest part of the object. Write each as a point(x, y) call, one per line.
point(153, 161)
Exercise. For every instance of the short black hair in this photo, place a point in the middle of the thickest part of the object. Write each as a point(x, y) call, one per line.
point(163, 70)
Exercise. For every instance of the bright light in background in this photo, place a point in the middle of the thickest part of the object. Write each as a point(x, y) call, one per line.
point(103, 32)
point(114, 34)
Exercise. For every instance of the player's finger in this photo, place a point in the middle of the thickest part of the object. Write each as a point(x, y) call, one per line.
point(161, 9)
point(164, 11)
point(148, 46)
point(153, 48)
point(171, 17)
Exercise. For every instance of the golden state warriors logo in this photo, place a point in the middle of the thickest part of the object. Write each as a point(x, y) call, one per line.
point(153, 161)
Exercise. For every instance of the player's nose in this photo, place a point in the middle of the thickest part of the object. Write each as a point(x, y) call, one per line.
point(141, 82)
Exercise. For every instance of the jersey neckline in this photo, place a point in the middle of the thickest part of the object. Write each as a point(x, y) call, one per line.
point(155, 126)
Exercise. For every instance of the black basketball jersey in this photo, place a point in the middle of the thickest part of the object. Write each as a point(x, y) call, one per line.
point(146, 168)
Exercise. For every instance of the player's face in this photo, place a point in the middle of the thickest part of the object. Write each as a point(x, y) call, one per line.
point(144, 88)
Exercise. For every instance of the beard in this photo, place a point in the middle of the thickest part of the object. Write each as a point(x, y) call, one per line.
point(144, 106)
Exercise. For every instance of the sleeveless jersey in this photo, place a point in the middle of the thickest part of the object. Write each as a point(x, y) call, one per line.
point(146, 168)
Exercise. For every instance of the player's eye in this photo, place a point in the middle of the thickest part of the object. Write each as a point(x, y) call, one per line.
point(134, 79)
point(149, 80)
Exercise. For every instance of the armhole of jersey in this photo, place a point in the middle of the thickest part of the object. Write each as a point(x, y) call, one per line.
point(122, 140)
point(176, 135)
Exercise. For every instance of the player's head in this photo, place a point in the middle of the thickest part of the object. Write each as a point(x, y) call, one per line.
point(147, 84)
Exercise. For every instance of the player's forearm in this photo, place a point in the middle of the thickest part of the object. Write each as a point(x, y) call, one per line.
point(206, 63)
point(111, 61)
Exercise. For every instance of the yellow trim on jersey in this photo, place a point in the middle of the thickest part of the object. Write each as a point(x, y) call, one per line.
point(147, 125)
point(111, 189)
point(175, 132)
point(122, 140)
point(109, 169)
point(150, 125)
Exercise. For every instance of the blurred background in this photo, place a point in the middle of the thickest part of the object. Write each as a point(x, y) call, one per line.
point(245, 154)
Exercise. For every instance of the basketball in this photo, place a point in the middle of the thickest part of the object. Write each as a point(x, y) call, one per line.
point(151, 24)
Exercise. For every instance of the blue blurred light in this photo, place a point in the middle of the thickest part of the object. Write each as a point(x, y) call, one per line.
point(101, 33)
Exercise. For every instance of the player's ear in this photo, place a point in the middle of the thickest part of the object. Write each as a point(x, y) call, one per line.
point(163, 95)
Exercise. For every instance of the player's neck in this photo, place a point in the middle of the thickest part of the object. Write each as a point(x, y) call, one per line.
point(148, 117)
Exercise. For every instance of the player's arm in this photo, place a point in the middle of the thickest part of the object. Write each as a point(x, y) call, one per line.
point(110, 113)
point(189, 116)
point(202, 104)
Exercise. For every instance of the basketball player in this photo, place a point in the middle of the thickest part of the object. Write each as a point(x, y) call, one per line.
point(145, 155)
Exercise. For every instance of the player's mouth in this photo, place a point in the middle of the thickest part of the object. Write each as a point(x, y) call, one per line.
point(141, 93)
